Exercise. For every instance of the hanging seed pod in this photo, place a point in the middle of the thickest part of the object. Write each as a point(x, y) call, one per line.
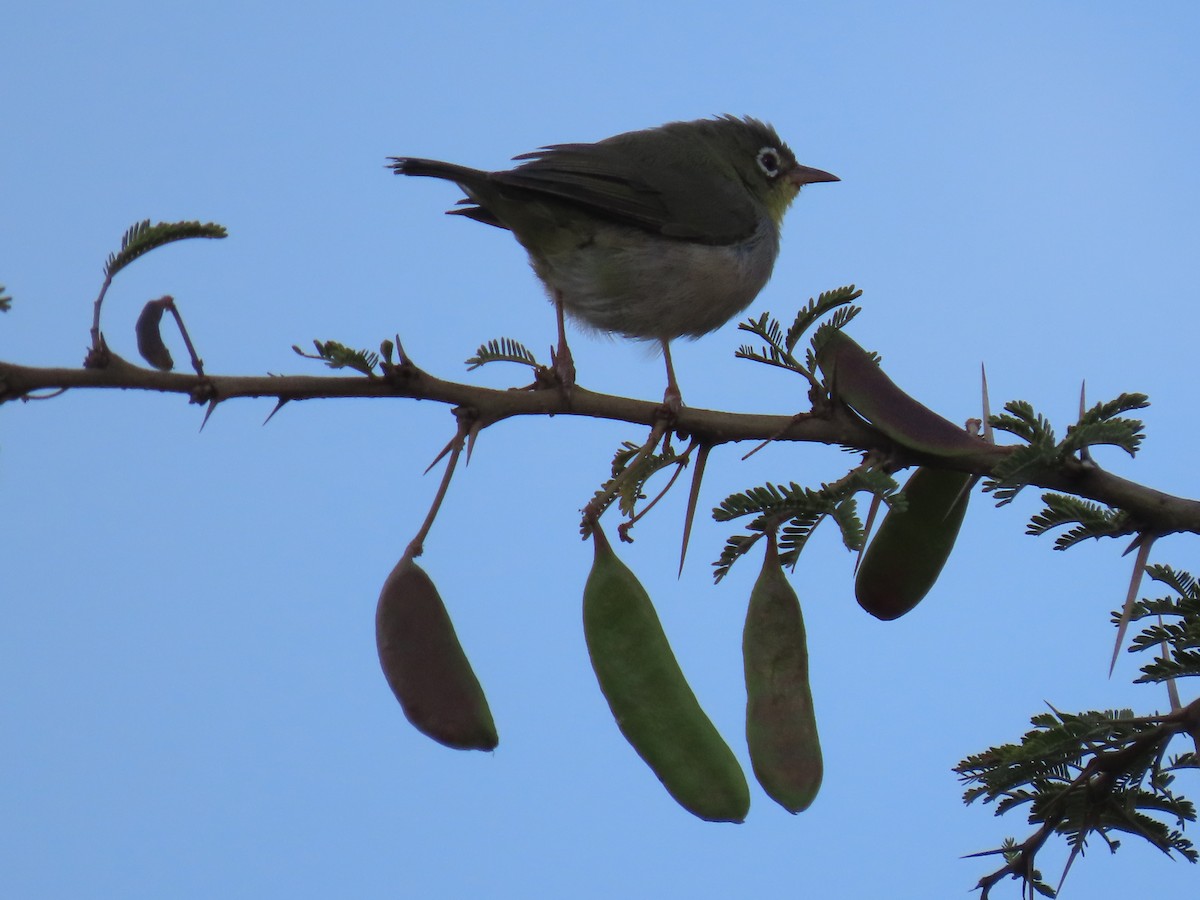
point(907, 554)
point(425, 665)
point(652, 702)
point(781, 728)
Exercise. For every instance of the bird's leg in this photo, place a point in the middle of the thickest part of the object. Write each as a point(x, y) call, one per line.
point(672, 399)
point(563, 362)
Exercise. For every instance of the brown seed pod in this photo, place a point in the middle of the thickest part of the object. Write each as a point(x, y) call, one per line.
point(858, 381)
point(425, 665)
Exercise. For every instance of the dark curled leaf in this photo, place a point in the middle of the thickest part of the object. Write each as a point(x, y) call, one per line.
point(854, 376)
point(149, 337)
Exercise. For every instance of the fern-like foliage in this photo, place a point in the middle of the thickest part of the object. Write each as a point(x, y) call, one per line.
point(1181, 582)
point(796, 511)
point(339, 356)
point(826, 302)
point(143, 237)
point(1091, 520)
point(778, 347)
point(1102, 424)
point(775, 351)
point(630, 472)
point(1175, 629)
point(502, 350)
point(5, 300)
point(1023, 421)
point(1041, 450)
point(791, 510)
point(1103, 773)
point(1091, 773)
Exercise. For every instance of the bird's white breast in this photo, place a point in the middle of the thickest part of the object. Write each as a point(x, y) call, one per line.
point(642, 285)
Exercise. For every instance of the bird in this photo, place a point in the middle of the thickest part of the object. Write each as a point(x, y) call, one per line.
point(655, 234)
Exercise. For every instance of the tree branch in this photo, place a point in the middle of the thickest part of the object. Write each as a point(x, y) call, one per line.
point(1154, 512)
point(1098, 778)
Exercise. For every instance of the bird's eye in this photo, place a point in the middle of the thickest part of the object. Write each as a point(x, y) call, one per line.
point(768, 161)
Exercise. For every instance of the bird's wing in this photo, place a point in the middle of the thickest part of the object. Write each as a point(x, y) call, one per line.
point(611, 185)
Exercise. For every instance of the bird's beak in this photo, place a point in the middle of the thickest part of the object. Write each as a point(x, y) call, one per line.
point(800, 175)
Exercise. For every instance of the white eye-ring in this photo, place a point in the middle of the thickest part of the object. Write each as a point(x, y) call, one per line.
point(768, 160)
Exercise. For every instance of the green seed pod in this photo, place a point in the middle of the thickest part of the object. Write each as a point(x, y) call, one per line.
point(425, 665)
point(781, 728)
point(912, 545)
point(651, 700)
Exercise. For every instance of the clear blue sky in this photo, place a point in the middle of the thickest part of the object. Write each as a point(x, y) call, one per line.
point(190, 698)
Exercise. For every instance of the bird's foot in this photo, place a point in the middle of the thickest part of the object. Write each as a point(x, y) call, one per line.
point(672, 398)
point(672, 401)
point(562, 364)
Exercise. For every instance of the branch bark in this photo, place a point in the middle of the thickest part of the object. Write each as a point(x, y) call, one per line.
point(1154, 512)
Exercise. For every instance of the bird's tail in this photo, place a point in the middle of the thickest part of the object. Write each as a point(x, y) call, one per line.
point(411, 165)
point(466, 178)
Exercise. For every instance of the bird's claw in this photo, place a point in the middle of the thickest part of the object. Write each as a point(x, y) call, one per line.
point(563, 366)
point(672, 401)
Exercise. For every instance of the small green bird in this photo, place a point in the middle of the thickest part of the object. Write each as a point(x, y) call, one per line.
point(656, 234)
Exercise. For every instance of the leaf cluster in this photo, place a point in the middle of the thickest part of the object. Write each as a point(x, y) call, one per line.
point(1177, 640)
point(339, 356)
point(142, 237)
point(795, 511)
point(1103, 772)
point(1090, 520)
point(632, 466)
point(502, 350)
point(779, 347)
point(1091, 773)
point(1102, 424)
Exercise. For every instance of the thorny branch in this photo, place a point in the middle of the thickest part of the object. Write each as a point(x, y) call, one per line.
point(1153, 512)
point(1098, 776)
